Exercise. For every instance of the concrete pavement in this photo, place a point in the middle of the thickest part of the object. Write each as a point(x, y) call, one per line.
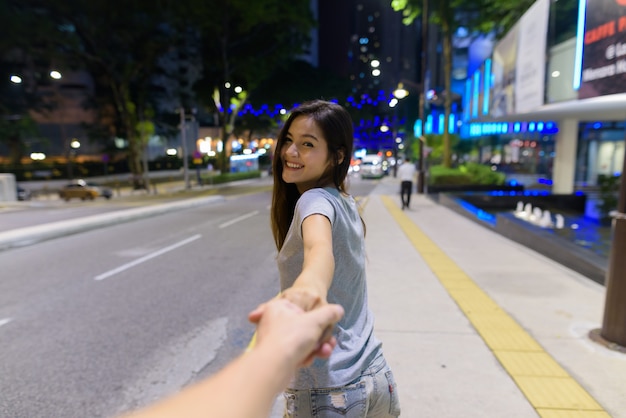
point(473, 324)
point(476, 325)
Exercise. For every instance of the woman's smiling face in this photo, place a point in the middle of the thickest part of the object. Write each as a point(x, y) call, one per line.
point(304, 154)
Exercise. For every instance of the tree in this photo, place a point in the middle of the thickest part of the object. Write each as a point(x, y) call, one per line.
point(25, 57)
point(118, 44)
point(242, 43)
point(151, 59)
point(120, 48)
point(478, 16)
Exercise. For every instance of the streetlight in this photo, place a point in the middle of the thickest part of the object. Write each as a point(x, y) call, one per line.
point(74, 146)
point(183, 139)
point(398, 94)
point(422, 102)
point(61, 103)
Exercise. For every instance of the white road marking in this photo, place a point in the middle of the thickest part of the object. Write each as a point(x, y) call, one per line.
point(241, 218)
point(146, 258)
point(5, 321)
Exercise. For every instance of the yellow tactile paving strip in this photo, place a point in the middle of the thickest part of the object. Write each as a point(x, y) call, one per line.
point(546, 385)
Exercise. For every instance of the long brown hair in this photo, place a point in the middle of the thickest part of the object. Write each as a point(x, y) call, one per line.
point(336, 124)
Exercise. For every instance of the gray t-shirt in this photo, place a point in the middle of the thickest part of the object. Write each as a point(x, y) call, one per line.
point(356, 344)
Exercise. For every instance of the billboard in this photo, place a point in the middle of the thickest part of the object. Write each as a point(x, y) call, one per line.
point(530, 65)
point(503, 74)
point(604, 49)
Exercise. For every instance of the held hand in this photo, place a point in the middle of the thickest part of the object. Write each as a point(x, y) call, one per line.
point(300, 336)
point(303, 298)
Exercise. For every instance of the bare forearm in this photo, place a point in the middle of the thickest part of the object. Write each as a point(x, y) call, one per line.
point(312, 284)
point(246, 388)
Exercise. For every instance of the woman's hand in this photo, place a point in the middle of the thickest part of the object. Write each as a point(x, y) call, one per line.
point(303, 297)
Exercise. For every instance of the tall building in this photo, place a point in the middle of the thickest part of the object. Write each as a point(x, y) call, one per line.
point(366, 41)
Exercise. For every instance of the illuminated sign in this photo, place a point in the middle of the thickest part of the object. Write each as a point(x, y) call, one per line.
point(603, 58)
point(477, 129)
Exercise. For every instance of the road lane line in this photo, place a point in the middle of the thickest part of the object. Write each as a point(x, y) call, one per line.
point(241, 218)
point(146, 258)
point(5, 321)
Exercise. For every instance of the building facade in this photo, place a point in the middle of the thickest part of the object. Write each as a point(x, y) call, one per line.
point(554, 109)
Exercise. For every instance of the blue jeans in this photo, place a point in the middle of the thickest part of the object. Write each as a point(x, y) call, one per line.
point(373, 395)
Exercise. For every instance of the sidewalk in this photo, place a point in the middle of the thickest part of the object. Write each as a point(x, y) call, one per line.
point(476, 325)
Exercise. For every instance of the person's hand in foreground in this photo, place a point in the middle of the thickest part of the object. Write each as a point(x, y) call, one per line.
point(287, 338)
point(294, 337)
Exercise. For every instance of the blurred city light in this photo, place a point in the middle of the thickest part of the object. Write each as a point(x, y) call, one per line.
point(400, 92)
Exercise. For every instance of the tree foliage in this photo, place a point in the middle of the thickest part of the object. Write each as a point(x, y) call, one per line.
point(478, 16)
point(242, 43)
point(22, 48)
point(149, 58)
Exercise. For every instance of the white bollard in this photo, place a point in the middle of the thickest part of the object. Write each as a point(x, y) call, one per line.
point(536, 215)
point(546, 219)
point(560, 221)
point(528, 208)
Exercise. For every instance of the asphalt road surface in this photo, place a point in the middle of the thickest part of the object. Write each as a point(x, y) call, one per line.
point(105, 321)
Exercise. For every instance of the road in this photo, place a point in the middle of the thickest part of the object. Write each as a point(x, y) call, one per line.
point(104, 321)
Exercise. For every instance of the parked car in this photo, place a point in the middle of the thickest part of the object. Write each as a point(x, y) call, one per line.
point(371, 167)
point(23, 194)
point(105, 192)
point(80, 189)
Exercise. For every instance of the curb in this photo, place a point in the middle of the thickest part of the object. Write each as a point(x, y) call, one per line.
point(34, 234)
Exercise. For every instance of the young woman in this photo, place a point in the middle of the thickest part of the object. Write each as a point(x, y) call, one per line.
point(320, 239)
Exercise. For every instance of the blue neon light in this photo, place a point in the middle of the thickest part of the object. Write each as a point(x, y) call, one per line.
point(490, 128)
point(475, 94)
point(479, 213)
point(487, 85)
point(580, 35)
point(466, 99)
point(417, 128)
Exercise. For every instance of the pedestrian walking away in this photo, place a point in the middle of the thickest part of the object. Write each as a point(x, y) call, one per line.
point(406, 173)
point(320, 238)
